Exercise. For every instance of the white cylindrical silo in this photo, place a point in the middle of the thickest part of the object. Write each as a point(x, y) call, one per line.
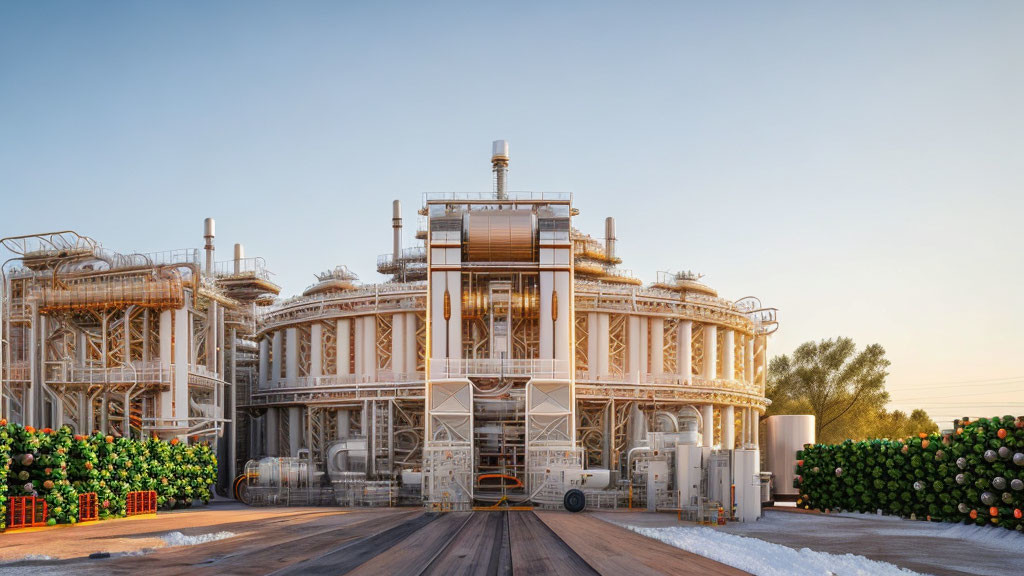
point(785, 435)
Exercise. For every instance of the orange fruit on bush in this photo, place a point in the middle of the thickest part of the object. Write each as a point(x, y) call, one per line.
point(1001, 433)
point(109, 439)
point(924, 443)
point(922, 435)
point(974, 514)
point(993, 511)
point(1017, 513)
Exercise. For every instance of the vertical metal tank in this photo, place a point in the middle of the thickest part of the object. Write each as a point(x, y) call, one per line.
point(786, 435)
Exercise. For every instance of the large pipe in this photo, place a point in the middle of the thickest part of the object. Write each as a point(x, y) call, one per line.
point(609, 237)
point(239, 256)
point(499, 163)
point(208, 235)
point(396, 225)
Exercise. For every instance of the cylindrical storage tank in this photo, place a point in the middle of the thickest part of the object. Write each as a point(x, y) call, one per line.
point(500, 236)
point(747, 483)
point(786, 435)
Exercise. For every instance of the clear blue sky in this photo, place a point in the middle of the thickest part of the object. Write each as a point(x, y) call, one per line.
point(859, 165)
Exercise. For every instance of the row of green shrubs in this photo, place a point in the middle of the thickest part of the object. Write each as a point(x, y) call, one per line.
point(974, 475)
point(58, 465)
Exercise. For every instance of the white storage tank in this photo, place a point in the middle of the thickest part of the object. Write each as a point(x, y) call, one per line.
point(785, 435)
point(747, 482)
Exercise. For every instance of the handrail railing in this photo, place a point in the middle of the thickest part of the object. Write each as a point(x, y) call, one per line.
point(537, 368)
point(513, 196)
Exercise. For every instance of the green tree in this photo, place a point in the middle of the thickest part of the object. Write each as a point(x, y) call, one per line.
point(843, 388)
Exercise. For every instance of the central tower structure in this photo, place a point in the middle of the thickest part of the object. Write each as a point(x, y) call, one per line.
point(499, 383)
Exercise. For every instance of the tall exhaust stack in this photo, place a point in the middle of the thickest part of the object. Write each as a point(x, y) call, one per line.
point(396, 225)
point(609, 237)
point(239, 256)
point(208, 235)
point(499, 163)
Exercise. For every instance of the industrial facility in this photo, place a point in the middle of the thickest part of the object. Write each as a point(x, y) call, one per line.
point(508, 360)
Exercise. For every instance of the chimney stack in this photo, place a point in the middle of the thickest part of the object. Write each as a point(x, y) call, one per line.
point(239, 256)
point(609, 237)
point(208, 235)
point(499, 163)
point(396, 225)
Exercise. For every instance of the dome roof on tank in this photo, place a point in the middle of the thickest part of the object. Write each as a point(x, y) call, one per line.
point(684, 281)
point(339, 279)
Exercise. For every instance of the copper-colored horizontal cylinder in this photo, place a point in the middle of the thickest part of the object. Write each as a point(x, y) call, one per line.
point(501, 236)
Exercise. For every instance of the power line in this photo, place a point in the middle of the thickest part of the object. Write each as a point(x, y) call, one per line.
point(990, 382)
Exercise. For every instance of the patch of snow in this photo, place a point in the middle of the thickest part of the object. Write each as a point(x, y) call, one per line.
point(178, 539)
point(766, 559)
point(30, 557)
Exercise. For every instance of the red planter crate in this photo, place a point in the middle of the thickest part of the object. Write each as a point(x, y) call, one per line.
point(141, 503)
point(88, 509)
point(26, 512)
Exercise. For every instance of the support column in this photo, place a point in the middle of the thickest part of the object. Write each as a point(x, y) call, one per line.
point(211, 336)
point(602, 344)
point(438, 325)
point(229, 403)
point(398, 346)
point(547, 323)
point(657, 342)
point(343, 424)
point(633, 345)
point(370, 347)
point(316, 350)
point(264, 362)
point(181, 354)
point(728, 428)
point(748, 360)
point(729, 355)
point(291, 360)
point(454, 284)
point(563, 345)
point(684, 350)
point(342, 416)
point(146, 352)
point(707, 416)
point(357, 347)
point(592, 342)
point(710, 351)
point(31, 409)
point(294, 430)
point(344, 342)
point(411, 354)
point(276, 358)
point(272, 429)
point(222, 343)
point(166, 398)
point(745, 430)
point(755, 424)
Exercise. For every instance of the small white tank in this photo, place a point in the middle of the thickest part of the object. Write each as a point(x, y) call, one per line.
point(785, 435)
